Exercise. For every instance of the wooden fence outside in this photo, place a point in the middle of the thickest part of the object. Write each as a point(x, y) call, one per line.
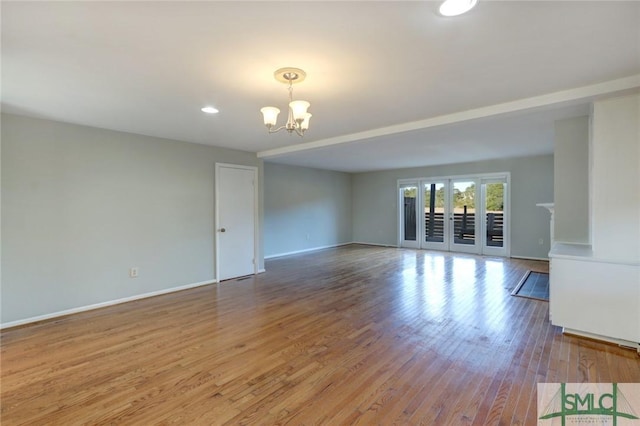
point(463, 226)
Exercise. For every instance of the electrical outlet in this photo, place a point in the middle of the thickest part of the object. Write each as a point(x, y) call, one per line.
point(541, 241)
point(133, 272)
point(307, 236)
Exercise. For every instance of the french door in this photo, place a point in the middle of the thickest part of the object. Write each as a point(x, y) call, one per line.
point(409, 213)
point(494, 224)
point(436, 224)
point(462, 214)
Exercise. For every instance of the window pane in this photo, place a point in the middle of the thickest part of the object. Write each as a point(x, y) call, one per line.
point(464, 212)
point(434, 212)
point(495, 214)
point(409, 196)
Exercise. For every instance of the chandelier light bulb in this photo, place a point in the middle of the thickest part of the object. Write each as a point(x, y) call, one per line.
point(305, 123)
point(270, 115)
point(299, 109)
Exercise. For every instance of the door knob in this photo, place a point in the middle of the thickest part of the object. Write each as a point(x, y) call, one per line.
point(223, 230)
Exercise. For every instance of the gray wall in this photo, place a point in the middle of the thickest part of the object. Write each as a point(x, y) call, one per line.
point(571, 183)
point(375, 201)
point(305, 208)
point(81, 205)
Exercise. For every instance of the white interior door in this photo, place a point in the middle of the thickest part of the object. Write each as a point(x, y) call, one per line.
point(236, 206)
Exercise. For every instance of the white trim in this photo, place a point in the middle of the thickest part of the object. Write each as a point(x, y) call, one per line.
point(305, 250)
point(561, 97)
point(256, 208)
point(104, 304)
point(262, 271)
point(621, 342)
point(375, 244)
point(544, 259)
point(491, 175)
point(594, 260)
point(583, 253)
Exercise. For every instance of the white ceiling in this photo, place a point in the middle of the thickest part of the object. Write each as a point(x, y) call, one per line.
point(390, 83)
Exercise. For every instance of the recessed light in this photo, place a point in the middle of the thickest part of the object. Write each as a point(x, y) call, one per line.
point(210, 110)
point(456, 7)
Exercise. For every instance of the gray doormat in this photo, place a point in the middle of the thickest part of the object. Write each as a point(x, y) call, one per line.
point(534, 285)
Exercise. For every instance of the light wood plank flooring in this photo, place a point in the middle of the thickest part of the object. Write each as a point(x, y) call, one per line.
point(353, 335)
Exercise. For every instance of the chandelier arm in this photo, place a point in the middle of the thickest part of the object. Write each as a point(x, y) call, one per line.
point(276, 130)
point(296, 128)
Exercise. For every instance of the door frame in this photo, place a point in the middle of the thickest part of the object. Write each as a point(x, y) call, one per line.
point(480, 207)
point(256, 223)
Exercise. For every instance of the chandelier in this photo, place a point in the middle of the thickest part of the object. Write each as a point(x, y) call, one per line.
point(298, 117)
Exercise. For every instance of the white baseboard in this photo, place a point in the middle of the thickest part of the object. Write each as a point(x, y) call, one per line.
point(544, 259)
point(306, 250)
point(375, 244)
point(103, 304)
point(620, 342)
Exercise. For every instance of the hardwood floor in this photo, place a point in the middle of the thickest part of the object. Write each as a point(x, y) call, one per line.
point(354, 335)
